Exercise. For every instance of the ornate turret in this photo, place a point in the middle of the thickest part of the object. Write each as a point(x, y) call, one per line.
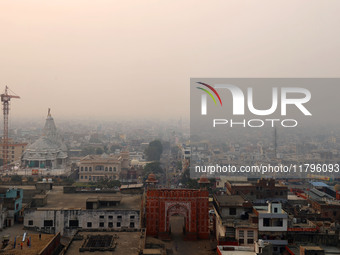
point(151, 181)
point(203, 182)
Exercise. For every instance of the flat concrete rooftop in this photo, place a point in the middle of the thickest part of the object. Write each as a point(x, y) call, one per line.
point(128, 243)
point(56, 199)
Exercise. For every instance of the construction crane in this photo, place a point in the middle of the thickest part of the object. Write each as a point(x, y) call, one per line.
point(5, 98)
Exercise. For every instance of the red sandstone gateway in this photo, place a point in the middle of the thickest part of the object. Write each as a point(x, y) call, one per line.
point(192, 204)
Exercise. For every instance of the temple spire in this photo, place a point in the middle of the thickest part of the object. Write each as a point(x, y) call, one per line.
point(49, 112)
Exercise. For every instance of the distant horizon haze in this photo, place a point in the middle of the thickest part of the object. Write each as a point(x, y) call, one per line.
point(134, 59)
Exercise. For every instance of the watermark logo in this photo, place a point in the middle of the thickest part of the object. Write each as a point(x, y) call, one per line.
point(239, 99)
point(204, 97)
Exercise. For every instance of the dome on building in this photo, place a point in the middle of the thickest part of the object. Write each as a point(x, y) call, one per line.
point(151, 178)
point(203, 179)
point(49, 151)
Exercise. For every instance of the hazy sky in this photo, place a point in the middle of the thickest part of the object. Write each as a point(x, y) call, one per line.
point(126, 58)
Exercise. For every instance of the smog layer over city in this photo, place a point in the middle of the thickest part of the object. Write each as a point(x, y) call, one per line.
point(169, 127)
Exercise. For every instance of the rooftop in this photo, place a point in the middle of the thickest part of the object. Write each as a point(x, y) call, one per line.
point(127, 243)
point(56, 199)
point(225, 200)
point(36, 247)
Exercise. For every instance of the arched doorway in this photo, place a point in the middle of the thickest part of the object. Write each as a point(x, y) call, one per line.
point(178, 220)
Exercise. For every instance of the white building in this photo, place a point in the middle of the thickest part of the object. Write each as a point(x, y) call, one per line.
point(67, 213)
point(273, 225)
point(49, 151)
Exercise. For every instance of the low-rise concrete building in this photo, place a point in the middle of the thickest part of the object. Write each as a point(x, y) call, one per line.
point(67, 213)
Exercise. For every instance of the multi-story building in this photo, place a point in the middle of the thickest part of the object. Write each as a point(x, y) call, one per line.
point(272, 225)
point(11, 198)
point(232, 225)
point(15, 151)
point(93, 168)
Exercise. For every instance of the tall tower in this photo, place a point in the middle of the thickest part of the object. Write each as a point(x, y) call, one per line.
point(5, 98)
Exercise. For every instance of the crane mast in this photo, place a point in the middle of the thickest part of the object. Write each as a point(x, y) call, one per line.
point(5, 99)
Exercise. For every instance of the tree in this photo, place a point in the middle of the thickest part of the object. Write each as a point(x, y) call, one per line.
point(179, 165)
point(187, 181)
point(99, 151)
point(154, 151)
point(88, 151)
point(153, 167)
point(114, 147)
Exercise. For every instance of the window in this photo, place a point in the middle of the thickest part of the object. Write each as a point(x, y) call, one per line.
point(101, 224)
point(132, 217)
point(48, 223)
point(106, 169)
point(110, 169)
point(90, 178)
point(89, 224)
point(81, 169)
point(30, 222)
point(85, 176)
point(73, 223)
point(99, 168)
point(101, 217)
point(132, 224)
point(81, 177)
point(279, 223)
point(250, 241)
point(115, 169)
point(241, 241)
point(118, 224)
point(90, 168)
point(250, 234)
point(110, 224)
point(275, 210)
point(85, 168)
point(232, 211)
point(266, 222)
point(119, 217)
point(110, 217)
